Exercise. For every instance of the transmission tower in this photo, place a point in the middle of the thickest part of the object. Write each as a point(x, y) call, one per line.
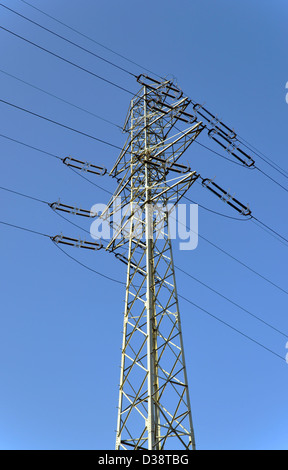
point(154, 410)
point(154, 407)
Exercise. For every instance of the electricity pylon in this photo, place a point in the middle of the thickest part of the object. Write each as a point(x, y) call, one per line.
point(154, 407)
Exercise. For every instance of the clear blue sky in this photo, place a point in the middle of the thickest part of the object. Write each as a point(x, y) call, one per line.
point(60, 325)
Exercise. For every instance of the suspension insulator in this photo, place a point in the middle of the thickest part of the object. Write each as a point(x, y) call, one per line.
point(84, 166)
point(58, 206)
point(232, 148)
point(166, 88)
point(76, 242)
point(214, 121)
point(226, 197)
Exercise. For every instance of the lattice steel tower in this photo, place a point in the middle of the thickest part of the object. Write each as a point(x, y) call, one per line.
point(154, 406)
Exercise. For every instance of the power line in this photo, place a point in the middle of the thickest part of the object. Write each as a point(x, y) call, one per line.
point(208, 148)
point(111, 63)
point(242, 263)
point(122, 283)
point(224, 215)
point(48, 204)
point(24, 228)
point(271, 229)
point(67, 61)
point(231, 327)
point(245, 219)
point(232, 161)
point(208, 287)
point(180, 269)
point(232, 302)
point(60, 124)
point(271, 179)
point(99, 117)
point(31, 147)
point(109, 82)
point(266, 159)
point(200, 236)
point(216, 153)
point(112, 83)
point(72, 223)
point(235, 259)
point(257, 343)
point(91, 182)
point(78, 226)
point(23, 195)
point(249, 146)
point(257, 152)
point(62, 100)
point(69, 256)
point(203, 284)
point(110, 122)
point(269, 233)
point(68, 40)
point(91, 39)
point(82, 133)
point(251, 217)
point(59, 158)
point(120, 127)
point(231, 256)
point(100, 187)
point(43, 202)
point(108, 143)
point(198, 307)
point(87, 267)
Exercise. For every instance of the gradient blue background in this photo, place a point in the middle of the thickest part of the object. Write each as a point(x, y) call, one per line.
point(60, 325)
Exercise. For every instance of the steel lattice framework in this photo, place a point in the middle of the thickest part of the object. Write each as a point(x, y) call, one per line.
point(154, 407)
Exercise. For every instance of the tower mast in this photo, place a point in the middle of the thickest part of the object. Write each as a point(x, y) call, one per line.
point(154, 407)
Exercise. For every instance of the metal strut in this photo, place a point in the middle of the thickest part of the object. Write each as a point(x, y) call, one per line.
point(189, 111)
